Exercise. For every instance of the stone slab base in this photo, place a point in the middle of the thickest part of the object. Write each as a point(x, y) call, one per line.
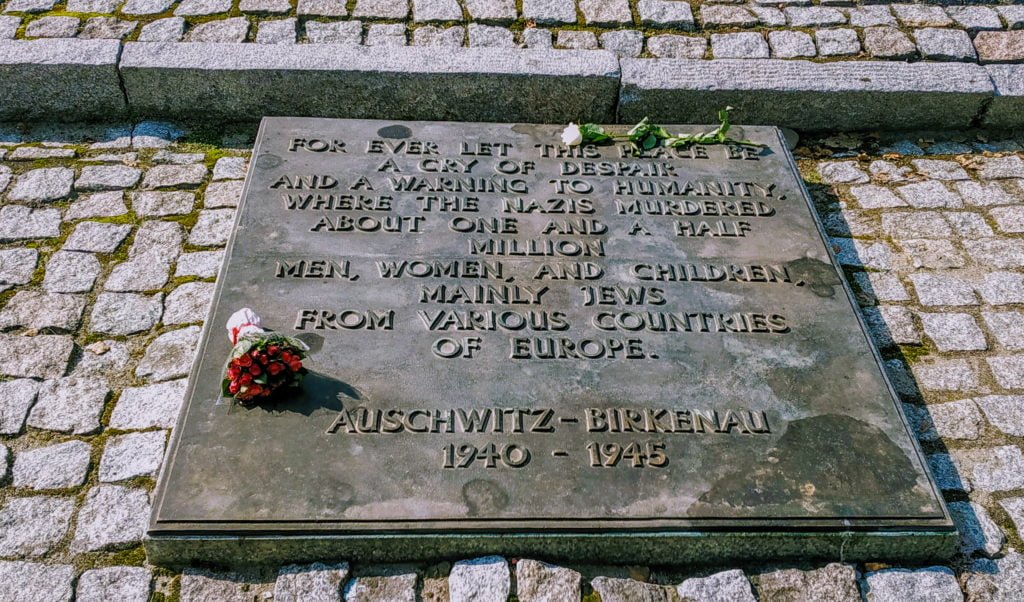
point(100, 79)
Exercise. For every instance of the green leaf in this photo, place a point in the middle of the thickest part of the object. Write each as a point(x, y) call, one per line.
point(224, 387)
point(650, 141)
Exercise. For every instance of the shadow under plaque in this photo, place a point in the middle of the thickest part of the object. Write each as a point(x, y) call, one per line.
point(523, 348)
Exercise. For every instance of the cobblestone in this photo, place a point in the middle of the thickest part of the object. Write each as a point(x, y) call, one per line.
point(953, 331)
point(835, 582)
point(936, 584)
point(36, 582)
point(112, 517)
point(52, 467)
point(32, 526)
point(132, 455)
point(121, 583)
point(97, 237)
point(169, 355)
point(71, 272)
point(149, 406)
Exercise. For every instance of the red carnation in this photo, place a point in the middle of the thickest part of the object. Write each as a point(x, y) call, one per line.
point(244, 361)
point(295, 366)
point(233, 387)
point(255, 370)
point(275, 368)
point(245, 379)
point(273, 350)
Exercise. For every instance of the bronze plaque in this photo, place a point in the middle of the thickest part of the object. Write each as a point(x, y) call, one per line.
point(524, 347)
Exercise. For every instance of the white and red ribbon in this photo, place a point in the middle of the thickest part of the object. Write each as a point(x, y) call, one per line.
point(243, 322)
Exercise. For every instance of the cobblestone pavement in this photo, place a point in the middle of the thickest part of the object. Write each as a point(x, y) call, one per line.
point(989, 31)
point(110, 241)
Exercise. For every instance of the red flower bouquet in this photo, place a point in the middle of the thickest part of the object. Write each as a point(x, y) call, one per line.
point(261, 363)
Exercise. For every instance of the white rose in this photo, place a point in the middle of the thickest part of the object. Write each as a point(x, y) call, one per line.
point(571, 135)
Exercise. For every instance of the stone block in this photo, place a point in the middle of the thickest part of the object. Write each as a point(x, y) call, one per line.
point(250, 80)
point(1007, 107)
point(59, 79)
point(809, 96)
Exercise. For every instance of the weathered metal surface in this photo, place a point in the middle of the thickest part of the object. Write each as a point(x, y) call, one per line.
point(511, 336)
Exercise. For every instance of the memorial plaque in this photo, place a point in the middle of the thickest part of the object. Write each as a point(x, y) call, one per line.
point(522, 347)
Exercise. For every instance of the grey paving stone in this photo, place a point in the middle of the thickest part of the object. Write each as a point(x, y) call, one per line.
point(41, 356)
point(576, 40)
point(946, 375)
point(125, 313)
point(968, 225)
point(397, 588)
point(155, 134)
point(52, 27)
point(769, 17)
point(382, 9)
point(40, 185)
point(997, 252)
point(424, 11)
point(837, 42)
point(929, 194)
point(42, 311)
point(717, 15)
point(953, 420)
point(203, 585)
point(625, 42)
point(230, 168)
point(112, 517)
point(886, 42)
point(101, 359)
point(107, 177)
point(138, 275)
point(791, 44)
point(872, 196)
point(606, 12)
point(9, 25)
point(834, 582)
point(937, 584)
point(172, 158)
point(149, 406)
point(814, 16)
point(491, 36)
point(627, 590)
point(916, 15)
point(1009, 219)
point(892, 325)
point(675, 46)
point(227, 194)
point(1007, 327)
point(497, 11)
point(1000, 46)
point(36, 582)
point(1013, 15)
point(106, 28)
point(31, 153)
point(941, 288)
point(100, 204)
point(191, 8)
point(953, 331)
point(428, 35)
point(997, 168)
point(937, 169)
point(188, 304)
point(868, 16)
point(158, 239)
point(32, 526)
point(996, 580)
point(916, 224)
point(121, 583)
point(274, 7)
point(168, 176)
point(71, 272)
point(983, 193)
point(854, 252)
point(6, 175)
point(542, 582)
point(975, 18)
point(993, 469)
point(1008, 370)
point(948, 476)
point(69, 405)
point(92, 6)
point(1005, 412)
point(933, 254)
point(170, 355)
point(746, 45)
point(341, 32)
point(841, 172)
point(666, 13)
point(169, 29)
point(317, 582)
point(212, 228)
point(1002, 288)
point(232, 30)
point(97, 237)
point(479, 580)
point(945, 45)
point(537, 38)
point(203, 264)
point(882, 286)
point(52, 467)
point(16, 398)
point(325, 8)
point(29, 6)
point(549, 12)
point(725, 586)
point(386, 35)
point(132, 455)
point(145, 7)
point(160, 204)
point(17, 266)
point(276, 31)
point(1014, 507)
